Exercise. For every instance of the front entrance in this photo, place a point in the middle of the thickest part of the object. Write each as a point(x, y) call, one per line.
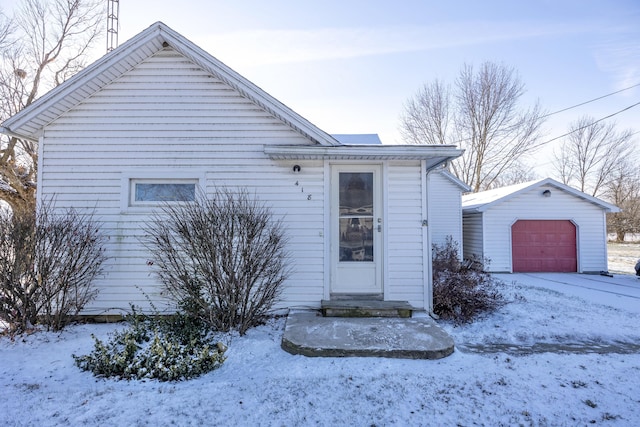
point(356, 230)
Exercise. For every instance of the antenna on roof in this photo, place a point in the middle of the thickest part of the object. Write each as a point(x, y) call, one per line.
point(113, 8)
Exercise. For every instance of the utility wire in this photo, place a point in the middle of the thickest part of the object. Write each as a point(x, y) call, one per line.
point(591, 100)
point(551, 161)
point(590, 124)
point(574, 130)
point(575, 106)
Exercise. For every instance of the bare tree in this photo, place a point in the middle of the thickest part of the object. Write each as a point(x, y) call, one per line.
point(591, 153)
point(563, 164)
point(482, 116)
point(42, 44)
point(6, 31)
point(519, 173)
point(623, 190)
point(426, 115)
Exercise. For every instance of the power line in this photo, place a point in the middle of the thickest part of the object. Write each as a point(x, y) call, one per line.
point(590, 124)
point(591, 100)
point(575, 130)
point(575, 106)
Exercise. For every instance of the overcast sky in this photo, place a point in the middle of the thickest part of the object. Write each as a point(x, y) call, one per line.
point(348, 66)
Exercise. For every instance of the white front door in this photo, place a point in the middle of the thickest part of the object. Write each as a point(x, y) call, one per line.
point(356, 229)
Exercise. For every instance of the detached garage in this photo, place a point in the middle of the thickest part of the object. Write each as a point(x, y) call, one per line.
point(538, 226)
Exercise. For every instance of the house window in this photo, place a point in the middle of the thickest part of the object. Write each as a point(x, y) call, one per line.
point(154, 191)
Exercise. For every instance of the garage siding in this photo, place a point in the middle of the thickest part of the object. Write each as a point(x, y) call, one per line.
point(589, 220)
point(472, 235)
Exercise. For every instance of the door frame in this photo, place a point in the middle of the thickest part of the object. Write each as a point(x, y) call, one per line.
point(335, 266)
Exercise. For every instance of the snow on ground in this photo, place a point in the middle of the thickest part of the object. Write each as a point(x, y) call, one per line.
point(496, 376)
point(623, 256)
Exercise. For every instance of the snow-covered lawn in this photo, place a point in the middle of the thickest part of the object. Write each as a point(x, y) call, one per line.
point(623, 256)
point(260, 384)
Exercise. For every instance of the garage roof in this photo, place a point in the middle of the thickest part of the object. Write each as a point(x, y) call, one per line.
point(480, 202)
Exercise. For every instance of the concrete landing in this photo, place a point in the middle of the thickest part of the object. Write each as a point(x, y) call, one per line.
point(310, 334)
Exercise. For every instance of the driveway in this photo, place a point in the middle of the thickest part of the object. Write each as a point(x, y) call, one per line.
point(620, 291)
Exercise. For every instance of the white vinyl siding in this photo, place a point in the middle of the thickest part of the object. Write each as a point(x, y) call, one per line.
point(405, 238)
point(168, 114)
point(445, 210)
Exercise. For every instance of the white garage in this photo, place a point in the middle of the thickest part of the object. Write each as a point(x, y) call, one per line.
point(538, 226)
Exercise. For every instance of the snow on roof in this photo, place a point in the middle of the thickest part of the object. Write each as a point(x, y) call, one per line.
point(481, 201)
point(358, 138)
point(475, 200)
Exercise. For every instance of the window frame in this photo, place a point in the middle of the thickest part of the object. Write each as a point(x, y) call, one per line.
point(128, 204)
point(134, 182)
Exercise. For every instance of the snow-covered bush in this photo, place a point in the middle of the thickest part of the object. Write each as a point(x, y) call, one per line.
point(222, 258)
point(170, 348)
point(462, 291)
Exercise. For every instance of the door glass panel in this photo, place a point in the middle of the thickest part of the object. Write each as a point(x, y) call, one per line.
point(356, 216)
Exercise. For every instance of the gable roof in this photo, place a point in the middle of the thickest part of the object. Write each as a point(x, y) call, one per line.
point(29, 122)
point(484, 200)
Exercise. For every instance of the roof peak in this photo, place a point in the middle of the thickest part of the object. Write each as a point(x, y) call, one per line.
point(30, 122)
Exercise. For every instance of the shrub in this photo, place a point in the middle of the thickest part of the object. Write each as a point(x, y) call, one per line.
point(48, 263)
point(69, 255)
point(169, 348)
point(222, 259)
point(19, 296)
point(462, 291)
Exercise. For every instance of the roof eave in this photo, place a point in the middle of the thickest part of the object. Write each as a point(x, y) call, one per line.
point(455, 180)
point(434, 155)
point(473, 209)
point(46, 101)
point(607, 207)
point(6, 131)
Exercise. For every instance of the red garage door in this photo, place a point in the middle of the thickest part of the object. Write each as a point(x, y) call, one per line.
point(543, 246)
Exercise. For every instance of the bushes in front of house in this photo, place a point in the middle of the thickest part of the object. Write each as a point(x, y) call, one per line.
point(48, 262)
point(166, 348)
point(222, 261)
point(462, 291)
point(222, 258)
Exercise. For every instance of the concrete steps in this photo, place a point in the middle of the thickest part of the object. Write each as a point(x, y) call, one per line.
point(310, 334)
point(366, 308)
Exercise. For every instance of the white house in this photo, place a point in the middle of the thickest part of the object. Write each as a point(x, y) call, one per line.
point(538, 226)
point(159, 113)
